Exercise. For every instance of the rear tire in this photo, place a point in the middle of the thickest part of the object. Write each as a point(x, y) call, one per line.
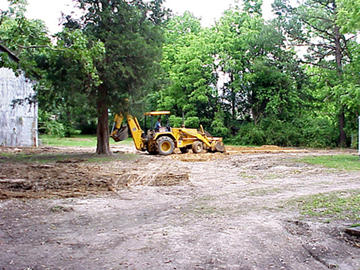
point(197, 147)
point(165, 145)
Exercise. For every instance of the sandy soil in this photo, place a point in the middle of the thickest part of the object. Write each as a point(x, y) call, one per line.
point(222, 211)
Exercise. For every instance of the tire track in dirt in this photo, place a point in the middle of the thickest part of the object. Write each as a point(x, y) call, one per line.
point(230, 214)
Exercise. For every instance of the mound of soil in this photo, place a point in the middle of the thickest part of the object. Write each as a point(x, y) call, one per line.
point(74, 177)
point(48, 180)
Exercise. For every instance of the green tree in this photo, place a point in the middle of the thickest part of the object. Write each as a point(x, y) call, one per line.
point(131, 34)
point(70, 71)
point(314, 24)
point(262, 78)
point(26, 38)
point(188, 63)
point(58, 68)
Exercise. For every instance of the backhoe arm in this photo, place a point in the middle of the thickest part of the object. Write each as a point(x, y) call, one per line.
point(136, 132)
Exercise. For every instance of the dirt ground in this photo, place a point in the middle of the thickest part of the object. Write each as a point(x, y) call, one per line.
point(184, 211)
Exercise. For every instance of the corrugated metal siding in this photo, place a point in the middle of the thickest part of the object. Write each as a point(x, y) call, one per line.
point(18, 125)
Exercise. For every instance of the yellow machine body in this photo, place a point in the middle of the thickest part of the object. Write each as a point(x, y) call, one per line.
point(166, 139)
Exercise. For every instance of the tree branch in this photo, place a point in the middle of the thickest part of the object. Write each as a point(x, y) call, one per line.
point(315, 64)
point(317, 29)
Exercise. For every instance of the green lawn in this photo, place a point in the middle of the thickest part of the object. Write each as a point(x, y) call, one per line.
point(338, 205)
point(342, 162)
point(76, 141)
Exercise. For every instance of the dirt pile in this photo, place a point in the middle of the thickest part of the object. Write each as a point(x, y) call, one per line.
point(48, 180)
point(191, 157)
point(75, 176)
point(156, 173)
point(234, 150)
point(49, 174)
point(262, 149)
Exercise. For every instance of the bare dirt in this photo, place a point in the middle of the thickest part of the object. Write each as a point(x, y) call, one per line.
point(184, 211)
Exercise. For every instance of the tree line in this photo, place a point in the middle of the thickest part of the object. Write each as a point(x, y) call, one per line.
point(291, 81)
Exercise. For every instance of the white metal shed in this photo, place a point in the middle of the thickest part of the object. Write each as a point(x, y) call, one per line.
point(19, 123)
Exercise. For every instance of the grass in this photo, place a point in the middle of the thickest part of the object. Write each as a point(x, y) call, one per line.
point(45, 158)
point(336, 205)
point(76, 141)
point(342, 162)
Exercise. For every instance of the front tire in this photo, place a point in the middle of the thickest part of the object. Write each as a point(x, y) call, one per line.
point(197, 147)
point(165, 145)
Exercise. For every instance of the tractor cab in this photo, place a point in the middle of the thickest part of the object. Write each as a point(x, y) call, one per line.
point(151, 121)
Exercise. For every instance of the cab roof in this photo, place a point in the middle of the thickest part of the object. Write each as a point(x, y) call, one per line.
point(156, 113)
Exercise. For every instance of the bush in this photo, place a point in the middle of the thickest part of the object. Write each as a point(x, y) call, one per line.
point(281, 133)
point(175, 121)
point(218, 127)
point(49, 125)
point(192, 122)
point(248, 134)
point(310, 132)
point(319, 132)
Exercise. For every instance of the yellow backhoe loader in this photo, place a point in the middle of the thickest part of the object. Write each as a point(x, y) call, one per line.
point(164, 140)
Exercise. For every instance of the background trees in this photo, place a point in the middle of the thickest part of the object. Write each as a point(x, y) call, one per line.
point(244, 78)
point(314, 24)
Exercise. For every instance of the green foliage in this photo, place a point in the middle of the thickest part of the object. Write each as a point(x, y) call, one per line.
point(268, 132)
point(218, 127)
point(348, 15)
point(263, 78)
point(175, 121)
point(132, 37)
point(27, 38)
point(311, 132)
point(313, 23)
point(319, 132)
point(188, 65)
point(49, 125)
point(192, 122)
point(240, 79)
point(249, 134)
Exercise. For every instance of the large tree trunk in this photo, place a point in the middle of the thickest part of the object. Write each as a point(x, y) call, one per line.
point(342, 140)
point(338, 57)
point(102, 132)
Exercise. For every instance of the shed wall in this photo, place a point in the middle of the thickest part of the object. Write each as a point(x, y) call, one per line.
point(18, 125)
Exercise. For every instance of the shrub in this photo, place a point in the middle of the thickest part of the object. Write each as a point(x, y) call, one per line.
point(311, 132)
point(175, 121)
point(319, 132)
point(248, 134)
point(192, 122)
point(49, 125)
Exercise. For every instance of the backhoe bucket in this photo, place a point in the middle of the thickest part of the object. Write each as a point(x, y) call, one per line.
point(120, 134)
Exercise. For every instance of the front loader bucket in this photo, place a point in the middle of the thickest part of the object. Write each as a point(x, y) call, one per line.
point(120, 134)
point(220, 147)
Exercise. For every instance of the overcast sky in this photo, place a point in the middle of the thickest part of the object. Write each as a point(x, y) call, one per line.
point(208, 10)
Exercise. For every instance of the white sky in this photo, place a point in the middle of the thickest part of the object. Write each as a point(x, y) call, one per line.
point(208, 10)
